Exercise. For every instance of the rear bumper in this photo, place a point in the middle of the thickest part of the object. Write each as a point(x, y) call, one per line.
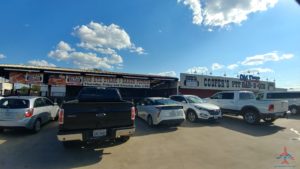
point(274, 115)
point(86, 135)
point(23, 123)
point(173, 122)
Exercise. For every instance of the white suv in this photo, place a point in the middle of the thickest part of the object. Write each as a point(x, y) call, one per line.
point(196, 108)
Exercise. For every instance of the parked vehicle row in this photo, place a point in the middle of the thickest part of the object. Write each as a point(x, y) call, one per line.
point(101, 113)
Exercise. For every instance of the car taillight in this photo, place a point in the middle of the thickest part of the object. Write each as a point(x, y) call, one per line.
point(29, 113)
point(271, 107)
point(61, 116)
point(132, 113)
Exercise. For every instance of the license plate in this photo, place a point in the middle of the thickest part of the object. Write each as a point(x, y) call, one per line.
point(99, 133)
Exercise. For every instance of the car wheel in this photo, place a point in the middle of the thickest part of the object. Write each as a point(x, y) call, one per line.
point(293, 110)
point(269, 120)
point(191, 116)
point(123, 139)
point(251, 116)
point(150, 121)
point(37, 126)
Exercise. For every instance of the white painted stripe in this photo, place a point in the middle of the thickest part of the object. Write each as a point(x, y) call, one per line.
point(296, 132)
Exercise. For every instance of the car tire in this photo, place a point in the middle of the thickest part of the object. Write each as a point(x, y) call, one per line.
point(251, 116)
point(37, 126)
point(191, 116)
point(293, 109)
point(123, 139)
point(150, 121)
point(269, 120)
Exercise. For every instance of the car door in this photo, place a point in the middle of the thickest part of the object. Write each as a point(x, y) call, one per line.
point(147, 108)
point(227, 101)
point(141, 111)
point(50, 107)
point(40, 110)
point(215, 99)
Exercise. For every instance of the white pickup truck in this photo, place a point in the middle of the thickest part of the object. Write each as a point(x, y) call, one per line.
point(244, 103)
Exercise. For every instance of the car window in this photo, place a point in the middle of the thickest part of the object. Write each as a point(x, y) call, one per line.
point(39, 102)
point(164, 102)
point(217, 96)
point(178, 98)
point(194, 99)
point(14, 103)
point(246, 96)
point(48, 102)
point(260, 96)
point(148, 102)
point(227, 96)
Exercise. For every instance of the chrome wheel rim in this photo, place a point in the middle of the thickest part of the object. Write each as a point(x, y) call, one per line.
point(294, 110)
point(250, 117)
point(192, 116)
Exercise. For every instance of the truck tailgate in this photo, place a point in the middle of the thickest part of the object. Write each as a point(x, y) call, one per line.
point(96, 115)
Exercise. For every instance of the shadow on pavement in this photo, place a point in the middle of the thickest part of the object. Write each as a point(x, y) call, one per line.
point(20, 149)
point(238, 124)
point(294, 116)
point(142, 128)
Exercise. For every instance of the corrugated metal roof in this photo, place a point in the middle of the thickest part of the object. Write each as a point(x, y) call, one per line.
point(43, 68)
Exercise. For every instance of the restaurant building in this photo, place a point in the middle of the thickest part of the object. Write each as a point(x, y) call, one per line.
point(205, 85)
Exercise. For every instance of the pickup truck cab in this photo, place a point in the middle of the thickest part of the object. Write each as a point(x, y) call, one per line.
point(196, 108)
point(244, 103)
point(96, 114)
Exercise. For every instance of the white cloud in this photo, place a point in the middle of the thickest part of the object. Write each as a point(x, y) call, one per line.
point(42, 63)
point(2, 56)
point(216, 66)
point(232, 66)
point(261, 59)
point(169, 73)
point(61, 52)
point(220, 13)
point(84, 60)
point(99, 37)
point(195, 6)
point(256, 70)
point(96, 38)
point(197, 70)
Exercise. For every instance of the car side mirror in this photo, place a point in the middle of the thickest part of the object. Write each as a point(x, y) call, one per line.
point(183, 102)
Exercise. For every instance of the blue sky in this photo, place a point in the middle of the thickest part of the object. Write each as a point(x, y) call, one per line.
point(159, 37)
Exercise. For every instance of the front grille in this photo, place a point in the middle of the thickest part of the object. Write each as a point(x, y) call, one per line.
point(214, 112)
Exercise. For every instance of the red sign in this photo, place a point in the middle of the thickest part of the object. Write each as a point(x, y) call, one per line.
point(17, 77)
point(59, 80)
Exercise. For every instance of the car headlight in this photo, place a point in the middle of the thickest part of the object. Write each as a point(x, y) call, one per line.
point(200, 108)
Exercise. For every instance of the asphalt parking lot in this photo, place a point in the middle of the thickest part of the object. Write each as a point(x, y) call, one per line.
point(228, 144)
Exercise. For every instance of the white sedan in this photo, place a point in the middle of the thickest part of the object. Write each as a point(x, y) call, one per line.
point(28, 112)
point(158, 110)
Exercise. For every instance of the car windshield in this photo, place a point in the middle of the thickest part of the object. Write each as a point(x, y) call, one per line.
point(163, 102)
point(14, 103)
point(194, 99)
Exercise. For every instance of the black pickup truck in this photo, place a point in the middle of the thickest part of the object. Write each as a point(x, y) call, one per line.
point(96, 114)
